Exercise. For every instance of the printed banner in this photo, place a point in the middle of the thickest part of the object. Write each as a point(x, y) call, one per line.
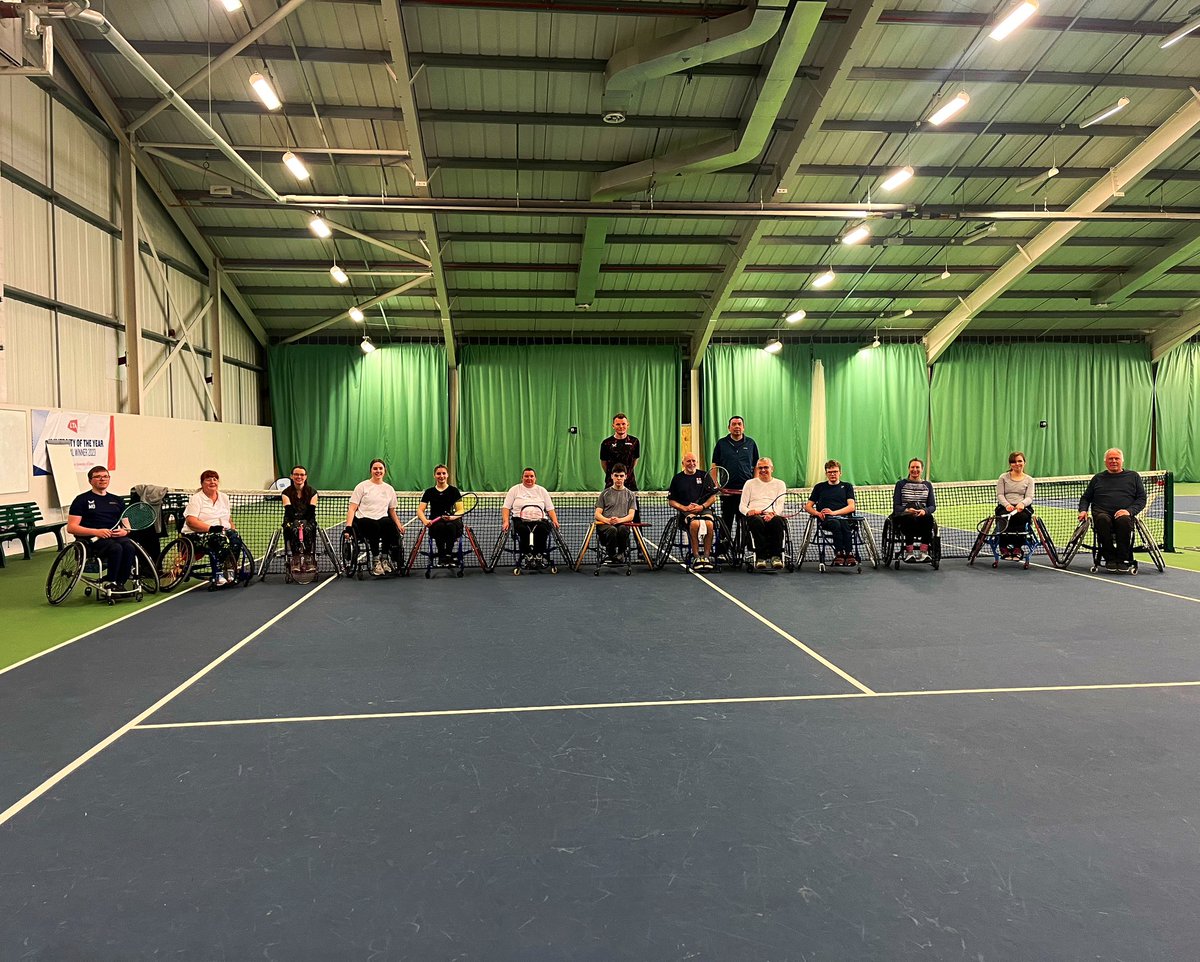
point(92, 437)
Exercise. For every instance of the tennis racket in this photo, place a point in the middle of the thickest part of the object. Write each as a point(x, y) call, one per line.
point(788, 505)
point(1002, 521)
point(282, 484)
point(721, 477)
point(465, 505)
point(137, 517)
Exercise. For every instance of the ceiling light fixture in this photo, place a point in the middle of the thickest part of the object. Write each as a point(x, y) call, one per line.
point(318, 226)
point(266, 93)
point(876, 342)
point(1190, 27)
point(795, 317)
point(943, 276)
point(824, 280)
point(897, 177)
point(356, 315)
point(296, 166)
point(1037, 179)
point(949, 108)
point(366, 345)
point(856, 234)
point(1106, 113)
point(339, 276)
point(773, 346)
point(907, 312)
point(232, 5)
point(1014, 18)
point(977, 234)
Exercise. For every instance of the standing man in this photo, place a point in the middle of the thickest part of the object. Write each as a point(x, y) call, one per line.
point(738, 454)
point(692, 494)
point(1115, 496)
point(620, 448)
point(93, 517)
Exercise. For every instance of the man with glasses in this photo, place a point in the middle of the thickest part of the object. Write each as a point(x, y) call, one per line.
point(760, 506)
point(1115, 496)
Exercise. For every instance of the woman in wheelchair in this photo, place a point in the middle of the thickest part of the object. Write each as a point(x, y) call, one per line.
point(436, 512)
point(208, 521)
point(93, 518)
point(300, 520)
point(373, 519)
point(1014, 501)
point(913, 504)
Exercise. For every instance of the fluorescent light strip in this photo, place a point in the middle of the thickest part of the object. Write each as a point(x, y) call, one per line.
point(338, 275)
point(950, 108)
point(1105, 114)
point(1014, 18)
point(796, 316)
point(773, 346)
point(856, 234)
point(356, 315)
point(296, 166)
point(266, 93)
point(1190, 27)
point(896, 178)
point(319, 227)
point(824, 280)
point(232, 5)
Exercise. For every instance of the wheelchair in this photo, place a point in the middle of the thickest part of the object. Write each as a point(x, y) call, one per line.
point(430, 553)
point(1033, 536)
point(299, 573)
point(861, 537)
point(625, 559)
point(75, 564)
point(1142, 541)
point(357, 557)
point(746, 551)
point(183, 558)
point(524, 559)
point(892, 551)
point(676, 543)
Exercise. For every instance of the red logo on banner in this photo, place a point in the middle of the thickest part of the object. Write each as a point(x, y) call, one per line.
point(73, 425)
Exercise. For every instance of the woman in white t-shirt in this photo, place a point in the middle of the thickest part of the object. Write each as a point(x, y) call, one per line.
point(372, 516)
point(208, 519)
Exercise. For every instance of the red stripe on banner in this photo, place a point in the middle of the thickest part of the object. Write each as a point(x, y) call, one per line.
point(112, 443)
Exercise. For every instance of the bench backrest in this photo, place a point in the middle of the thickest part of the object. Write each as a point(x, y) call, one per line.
point(25, 513)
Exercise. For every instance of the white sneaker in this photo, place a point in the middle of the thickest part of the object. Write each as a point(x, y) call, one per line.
point(377, 571)
point(220, 580)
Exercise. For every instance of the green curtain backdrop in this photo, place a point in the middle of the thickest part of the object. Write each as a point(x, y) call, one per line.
point(336, 408)
point(987, 400)
point(1178, 398)
point(518, 403)
point(877, 409)
point(772, 392)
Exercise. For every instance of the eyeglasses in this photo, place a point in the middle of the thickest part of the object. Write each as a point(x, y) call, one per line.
point(765, 467)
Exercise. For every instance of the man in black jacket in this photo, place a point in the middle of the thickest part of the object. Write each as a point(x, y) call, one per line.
point(1115, 496)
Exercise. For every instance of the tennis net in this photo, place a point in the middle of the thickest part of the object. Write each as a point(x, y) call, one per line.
point(961, 505)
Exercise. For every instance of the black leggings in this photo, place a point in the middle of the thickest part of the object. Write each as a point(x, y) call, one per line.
point(377, 532)
point(1109, 528)
point(118, 555)
point(614, 537)
point(913, 528)
point(840, 533)
point(301, 537)
point(767, 535)
point(1014, 537)
point(538, 531)
point(445, 533)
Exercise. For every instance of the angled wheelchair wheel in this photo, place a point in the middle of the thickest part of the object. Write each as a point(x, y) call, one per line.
point(1048, 545)
point(350, 560)
point(805, 541)
point(145, 572)
point(65, 572)
point(1076, 542)
point(868, 537)
point(175, 563)
point(1150, 544)
point(984, 528)
point(889, 542)
point(238, 564)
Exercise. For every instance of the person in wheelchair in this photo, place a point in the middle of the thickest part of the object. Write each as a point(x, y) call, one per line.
point(1014, 500)
point(208, 521)
point(520, 503)
point(760, 496)
point(436, 512)
point(1115, 496)
point(692, 494)
point(300, 520)
point(372, 517)
point(93, 517)
point(616, 506)
point(913, 505)
point(831, 503)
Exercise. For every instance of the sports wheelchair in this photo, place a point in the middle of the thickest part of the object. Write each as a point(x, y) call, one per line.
point(295, 569)
point(1032, 537)
point(228, 559)
point(860, 534)
point(623, 559)
point(1141, 541)
point(430, 553)
point(523, 556)
point(892, 552)
point(675, 542)
point(357, 556)
point(75, 563)
point(747, 553)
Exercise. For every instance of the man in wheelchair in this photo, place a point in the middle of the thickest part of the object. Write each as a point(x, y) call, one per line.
point(1115, 497)
point(832, 504)
point(692, 494)
point(208, 523)
point(93, 518)
point(615, 509)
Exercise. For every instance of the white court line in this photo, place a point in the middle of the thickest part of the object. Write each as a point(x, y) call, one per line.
point(96, 749)
point(1116, 579)
point(665, 703)
point(107, 624)
point(815, 655)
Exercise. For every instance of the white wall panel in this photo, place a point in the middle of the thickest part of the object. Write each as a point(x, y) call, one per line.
point(167, 238)
point(236, 340)
point(231, 394)
point(156, 401)
point(151, 299)
point(85, 265)
point(187, 391)
point(87, 356)
point(26, 225)
point(83, 160)
point(187, 295)
point(251, 413)
point(25, 145)
point(29, 346)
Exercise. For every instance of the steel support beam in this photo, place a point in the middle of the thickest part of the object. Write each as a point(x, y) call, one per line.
point(216, 342)
point(1177, 128)
point(1169, 336)
point(591, 261)
point(127, 189)
point(364, 306)
point(1150, 268)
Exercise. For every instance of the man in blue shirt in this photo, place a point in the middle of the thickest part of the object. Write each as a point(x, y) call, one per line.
point(692, 494)
point(738, 454)
point(94, 517)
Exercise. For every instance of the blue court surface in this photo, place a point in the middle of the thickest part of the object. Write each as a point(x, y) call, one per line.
point(962, 764)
